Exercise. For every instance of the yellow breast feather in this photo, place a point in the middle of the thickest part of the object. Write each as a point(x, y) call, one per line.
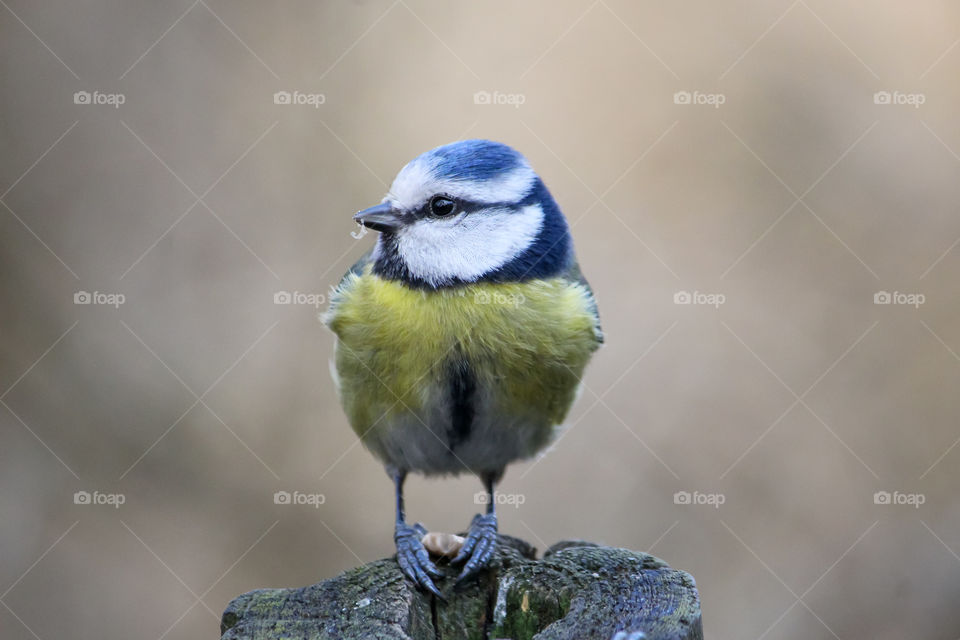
point(527, 343)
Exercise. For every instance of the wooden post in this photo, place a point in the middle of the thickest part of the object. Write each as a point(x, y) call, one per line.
point(577, 591)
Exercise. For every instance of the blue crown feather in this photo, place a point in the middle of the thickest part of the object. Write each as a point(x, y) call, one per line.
point(475, 160)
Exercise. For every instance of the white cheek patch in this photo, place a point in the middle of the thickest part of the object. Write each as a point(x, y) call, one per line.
point(417, 182)
point(467, 246)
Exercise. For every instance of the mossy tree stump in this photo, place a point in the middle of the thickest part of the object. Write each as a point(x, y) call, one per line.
point(578, 590)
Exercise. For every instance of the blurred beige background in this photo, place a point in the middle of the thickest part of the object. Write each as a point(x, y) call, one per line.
point(784, 189)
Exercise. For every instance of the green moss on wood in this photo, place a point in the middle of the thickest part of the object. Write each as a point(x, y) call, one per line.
point(578, 590)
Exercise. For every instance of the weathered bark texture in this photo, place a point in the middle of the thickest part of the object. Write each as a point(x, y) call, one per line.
point(577, 591)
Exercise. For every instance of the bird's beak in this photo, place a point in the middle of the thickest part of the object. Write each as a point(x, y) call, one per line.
point(382, 217)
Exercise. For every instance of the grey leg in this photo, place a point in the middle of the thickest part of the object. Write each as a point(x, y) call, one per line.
point(481, 542)
point(412, 557)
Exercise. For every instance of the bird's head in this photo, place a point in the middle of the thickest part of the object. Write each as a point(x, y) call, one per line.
point(466, 212)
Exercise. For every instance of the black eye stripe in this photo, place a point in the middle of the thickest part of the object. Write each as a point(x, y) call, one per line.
point(467, 206)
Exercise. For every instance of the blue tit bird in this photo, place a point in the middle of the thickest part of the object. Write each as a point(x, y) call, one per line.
point(463, 334)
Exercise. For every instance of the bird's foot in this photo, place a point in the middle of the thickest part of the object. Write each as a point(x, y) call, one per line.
point(480, 545)
point(413, 559)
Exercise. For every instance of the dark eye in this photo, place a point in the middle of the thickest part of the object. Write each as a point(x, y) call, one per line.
point(441, 206)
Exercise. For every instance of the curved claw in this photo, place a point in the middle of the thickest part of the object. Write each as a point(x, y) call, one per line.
point(413, 558)
point(479, 547)
point(468, 545)
point(480, 558)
